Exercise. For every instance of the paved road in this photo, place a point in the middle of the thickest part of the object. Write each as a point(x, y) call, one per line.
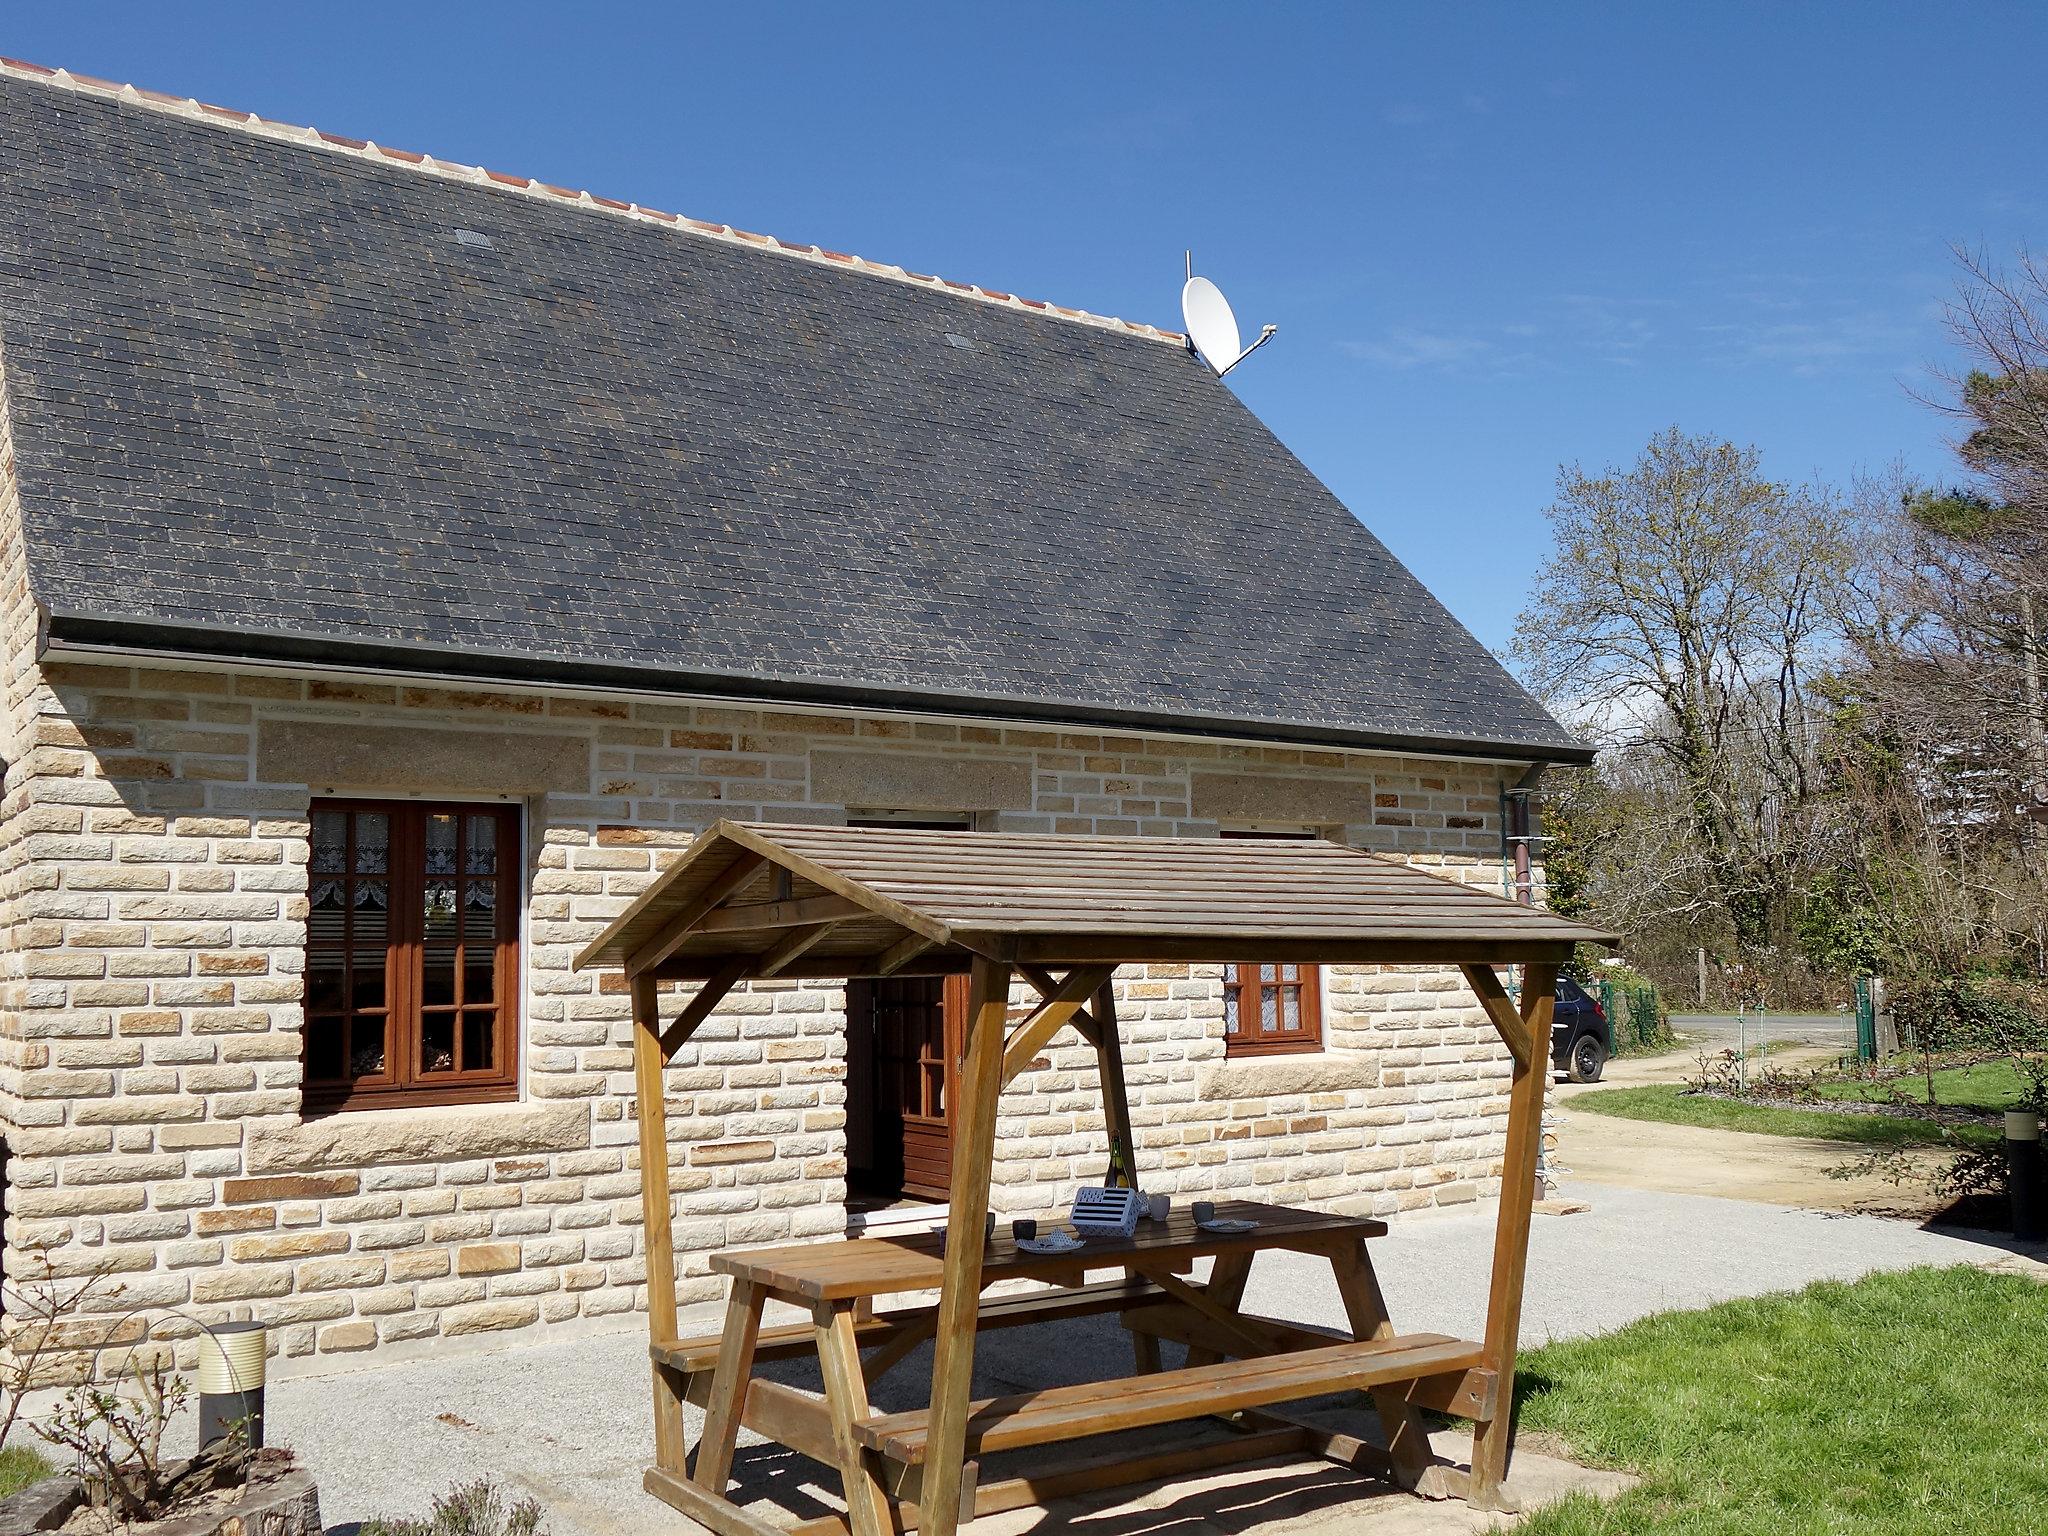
point(1721, 1031)
point(567, 1421)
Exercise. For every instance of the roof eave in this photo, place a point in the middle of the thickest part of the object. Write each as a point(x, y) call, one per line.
point(69, 631)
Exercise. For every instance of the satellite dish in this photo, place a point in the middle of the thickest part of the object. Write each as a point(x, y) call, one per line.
point(1212, 327)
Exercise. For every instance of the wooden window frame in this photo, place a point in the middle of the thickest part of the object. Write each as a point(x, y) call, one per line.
point(404, 1084)
point(1250, 995)
point(1249, 991)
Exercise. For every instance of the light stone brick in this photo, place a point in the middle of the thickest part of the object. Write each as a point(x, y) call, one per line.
point(348, 1337)
point(487, 1258)
point(340, 1274)
point(242, 1284)
point(292, 1245)
point(489, 1316)
point(419, 1266)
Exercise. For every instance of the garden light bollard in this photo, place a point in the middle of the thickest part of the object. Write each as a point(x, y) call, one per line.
point(231, 1359)
point(2023, 1175)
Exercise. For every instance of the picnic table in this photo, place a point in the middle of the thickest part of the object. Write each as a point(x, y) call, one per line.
point(1056, 914)
point(1238, 1365)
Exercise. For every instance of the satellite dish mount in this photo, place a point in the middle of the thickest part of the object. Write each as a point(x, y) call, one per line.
point(1212, 327)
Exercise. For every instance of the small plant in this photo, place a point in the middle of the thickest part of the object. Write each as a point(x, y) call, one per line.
point(116, 1440)
point(41, 1317)
point(113, 1432)
point(468, 1509)
point(1723, 1076)
point(1892, 1164)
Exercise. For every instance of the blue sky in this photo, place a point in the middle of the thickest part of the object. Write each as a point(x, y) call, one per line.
point(1494, 238)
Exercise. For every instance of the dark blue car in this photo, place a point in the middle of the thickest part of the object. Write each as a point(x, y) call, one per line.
point(1580, 1041)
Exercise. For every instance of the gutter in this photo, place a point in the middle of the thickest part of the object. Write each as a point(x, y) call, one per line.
point(88, 636)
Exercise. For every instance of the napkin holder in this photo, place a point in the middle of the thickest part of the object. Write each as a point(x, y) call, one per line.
point(1108, 1212)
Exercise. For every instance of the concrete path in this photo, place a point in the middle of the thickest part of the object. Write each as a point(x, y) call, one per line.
point(567, 1421)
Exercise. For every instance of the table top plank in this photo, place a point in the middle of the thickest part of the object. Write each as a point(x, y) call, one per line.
point(881, 1266)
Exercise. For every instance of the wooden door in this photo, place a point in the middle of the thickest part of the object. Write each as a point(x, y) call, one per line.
point(906, 1037)
point(915, 1037)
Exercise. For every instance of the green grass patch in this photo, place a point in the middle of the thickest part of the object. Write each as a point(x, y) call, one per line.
point(1671, 1104)
point(1902, 1405)
point(21, 1465)
point(1991, 1086)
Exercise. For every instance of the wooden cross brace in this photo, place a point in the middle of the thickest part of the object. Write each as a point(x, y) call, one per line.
point(1067, 998)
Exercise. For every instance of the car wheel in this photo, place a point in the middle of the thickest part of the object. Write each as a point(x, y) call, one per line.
point(1589, 1060)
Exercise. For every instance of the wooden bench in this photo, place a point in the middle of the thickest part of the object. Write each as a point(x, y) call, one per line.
point(790, 1341)
point(1173, 1321)
point(1097, 1408)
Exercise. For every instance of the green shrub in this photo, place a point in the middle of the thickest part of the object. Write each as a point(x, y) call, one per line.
point(1636, 1016)
point(1965, 1014)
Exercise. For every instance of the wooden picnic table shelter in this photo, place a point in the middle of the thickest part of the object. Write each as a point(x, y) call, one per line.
point(1058, 914)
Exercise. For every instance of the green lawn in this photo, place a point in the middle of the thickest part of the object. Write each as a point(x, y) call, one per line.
point(1672, 1104)
point(1988, 1085)
point(21, 1465)
point(1901, 1405)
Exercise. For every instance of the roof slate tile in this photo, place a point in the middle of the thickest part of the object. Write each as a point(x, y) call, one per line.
point(260, 392)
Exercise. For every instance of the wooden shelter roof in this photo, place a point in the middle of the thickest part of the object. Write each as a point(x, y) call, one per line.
point(754, 900)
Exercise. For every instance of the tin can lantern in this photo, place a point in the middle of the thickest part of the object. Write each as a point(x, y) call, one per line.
point(231, 1361)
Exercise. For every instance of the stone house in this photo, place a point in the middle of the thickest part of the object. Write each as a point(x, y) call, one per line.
point(402, 560)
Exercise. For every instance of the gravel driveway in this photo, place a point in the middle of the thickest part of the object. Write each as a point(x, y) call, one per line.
point(1721, 1031)
point(568, 1421)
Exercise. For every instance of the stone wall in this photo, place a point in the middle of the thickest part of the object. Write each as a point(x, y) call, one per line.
point(153, 898)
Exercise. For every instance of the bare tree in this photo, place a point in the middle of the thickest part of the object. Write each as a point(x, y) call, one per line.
point(1938, 751)
point(1686, 602)
point(1825, 718)
point(1999, 318)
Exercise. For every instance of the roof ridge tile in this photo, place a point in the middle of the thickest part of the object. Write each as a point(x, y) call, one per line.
point(194, 110)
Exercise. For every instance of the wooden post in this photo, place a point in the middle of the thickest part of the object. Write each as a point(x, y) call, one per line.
point(1109, 1068)
point(974, 1137)
point(1490, 1440)
point(1227, 1279)
point(658, 1245)
point(1365, 1305)
point(1145, 1352)
point(729, 1381)
point(846, 1395)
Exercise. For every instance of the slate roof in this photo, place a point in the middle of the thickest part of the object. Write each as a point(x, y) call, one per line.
point(281, 401)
